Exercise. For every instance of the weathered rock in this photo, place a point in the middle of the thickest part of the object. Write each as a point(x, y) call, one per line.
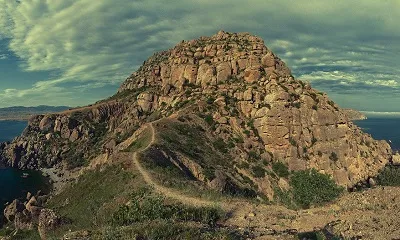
point(13, 209)
point(48, 221)
point(46, 124)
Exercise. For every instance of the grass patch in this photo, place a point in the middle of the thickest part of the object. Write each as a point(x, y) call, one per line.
point(20, 234)
point(165, 229)
point(141, 142)
point(89, 201)
point(145, 206)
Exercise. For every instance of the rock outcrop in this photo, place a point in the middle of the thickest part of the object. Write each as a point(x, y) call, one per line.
point(30, 214)
point(295, 123)
point(280, 118)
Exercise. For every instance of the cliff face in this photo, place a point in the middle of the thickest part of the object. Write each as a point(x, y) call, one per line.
point(255, 95)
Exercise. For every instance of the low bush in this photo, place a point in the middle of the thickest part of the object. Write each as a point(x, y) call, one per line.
point(220, 145)
point(333, 156)
point(313, 188)
point(389, 176)
point(280, 169)
point(258, 172)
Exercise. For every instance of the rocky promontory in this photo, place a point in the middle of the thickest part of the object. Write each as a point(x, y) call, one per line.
point(253, 93)
point(354, 114)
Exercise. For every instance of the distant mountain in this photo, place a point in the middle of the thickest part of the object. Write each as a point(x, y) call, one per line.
point(354, 114)
point(24, 113)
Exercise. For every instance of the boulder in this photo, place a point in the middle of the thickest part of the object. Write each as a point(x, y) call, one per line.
point(13, 209)
point(48, 221)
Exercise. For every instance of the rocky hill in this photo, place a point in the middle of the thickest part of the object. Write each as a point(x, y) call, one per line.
point(226, 114)
point(354, 114)
point(254, 94)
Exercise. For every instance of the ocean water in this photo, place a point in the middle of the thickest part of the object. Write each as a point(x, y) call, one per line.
point(11, 129)
point(15, 183)
point(383, 128)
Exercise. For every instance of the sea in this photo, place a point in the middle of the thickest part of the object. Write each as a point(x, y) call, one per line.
point(384, 126)
point(16, 183)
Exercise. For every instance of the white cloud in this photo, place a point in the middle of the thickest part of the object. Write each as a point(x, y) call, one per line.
point(91, 44)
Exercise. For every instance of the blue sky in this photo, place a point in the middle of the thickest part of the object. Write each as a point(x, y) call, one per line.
point(75, 52)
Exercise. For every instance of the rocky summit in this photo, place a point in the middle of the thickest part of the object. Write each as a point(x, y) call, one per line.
point(279, 117)
point(221, 114)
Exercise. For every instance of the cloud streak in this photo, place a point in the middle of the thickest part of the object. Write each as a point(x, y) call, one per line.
point(90, 45)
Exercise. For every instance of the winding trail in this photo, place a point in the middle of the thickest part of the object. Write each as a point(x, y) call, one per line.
point(170, 193)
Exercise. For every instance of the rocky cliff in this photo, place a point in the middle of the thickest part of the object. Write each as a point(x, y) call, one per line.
point(252, 93)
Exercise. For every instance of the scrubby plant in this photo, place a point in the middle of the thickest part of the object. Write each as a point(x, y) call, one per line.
point(280, 169)
point(209, 120)
point(389, 176)
point(292, 141)
point(333, 156)
point(310, 187)
point(145, 206)
point(220, 145)
point(258, 172)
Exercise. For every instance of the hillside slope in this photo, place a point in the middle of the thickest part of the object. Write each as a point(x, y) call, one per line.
point(253, 95)
point(220, 115)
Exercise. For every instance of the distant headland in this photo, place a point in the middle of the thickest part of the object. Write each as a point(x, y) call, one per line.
point(20, 113)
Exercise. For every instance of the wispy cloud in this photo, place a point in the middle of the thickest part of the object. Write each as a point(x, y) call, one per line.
point(96, 44)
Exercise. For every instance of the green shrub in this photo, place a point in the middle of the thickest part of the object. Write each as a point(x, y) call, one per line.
point(313, 141)
point(312, 188)
point(145, 206)
point(220, 145)
point(296, 104)
point(389, 176)
point(247, 132)
point(254, 155)
point(209, 120)
point(210, 100)
point(333, 156)
point(292, 141)
point(280, 169)
point(243, 165)
point(258, 171)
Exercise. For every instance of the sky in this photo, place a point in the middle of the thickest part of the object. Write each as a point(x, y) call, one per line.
point(76, 52)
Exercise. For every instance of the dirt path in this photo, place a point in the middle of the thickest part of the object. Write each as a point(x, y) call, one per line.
point(167, 191)
point(356, 212)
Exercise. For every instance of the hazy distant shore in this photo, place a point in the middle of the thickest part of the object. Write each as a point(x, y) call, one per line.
point(20, 113)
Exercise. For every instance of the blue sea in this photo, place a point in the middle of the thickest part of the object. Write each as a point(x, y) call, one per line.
point(383, 128)
point(15, 183)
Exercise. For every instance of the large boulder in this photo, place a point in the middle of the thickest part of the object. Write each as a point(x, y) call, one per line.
point(48, 221)
point(13, 209)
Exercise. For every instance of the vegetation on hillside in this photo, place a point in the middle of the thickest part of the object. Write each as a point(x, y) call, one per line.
point(389, 176)
point(309, 188)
